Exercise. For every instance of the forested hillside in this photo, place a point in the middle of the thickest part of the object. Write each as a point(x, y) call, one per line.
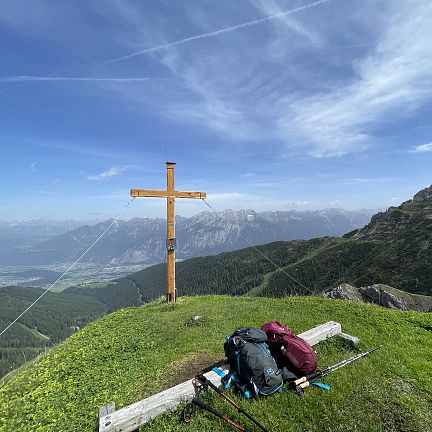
point(395, 248)
point(51, 320)
point(234, 273)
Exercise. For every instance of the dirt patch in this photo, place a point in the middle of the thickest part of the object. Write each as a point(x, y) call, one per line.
point(187, 368)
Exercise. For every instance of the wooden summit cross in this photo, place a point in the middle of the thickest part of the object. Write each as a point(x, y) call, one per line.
point(170, 194)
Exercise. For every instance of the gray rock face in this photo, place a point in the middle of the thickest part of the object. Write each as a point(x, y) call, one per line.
point(344, 292)
point(376, 294)
point(424, 195)
point(382, 295)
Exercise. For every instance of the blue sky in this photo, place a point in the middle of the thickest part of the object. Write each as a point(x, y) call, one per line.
point(263, 104)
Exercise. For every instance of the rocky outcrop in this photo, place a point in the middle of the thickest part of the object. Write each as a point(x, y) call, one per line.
point(345, 292)
point(382, 295)
point(400, 220)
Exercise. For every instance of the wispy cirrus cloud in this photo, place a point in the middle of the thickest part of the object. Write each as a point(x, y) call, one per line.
point(286, 26)
point(280, 14)
point(258, 85)
point(392, 81)
point(366, 180)
point(205, 94)
point(111, 172)
point(30, 78)
point(423, 148)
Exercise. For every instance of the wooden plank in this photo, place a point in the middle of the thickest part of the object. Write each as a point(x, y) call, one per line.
point(199, 195)
point(321, 332)
point(355, 340)
point(104, 411)
point(147, 193)
point(131, 417)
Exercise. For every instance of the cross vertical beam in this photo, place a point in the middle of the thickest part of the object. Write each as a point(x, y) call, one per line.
point(171, 295)
point(170, 194)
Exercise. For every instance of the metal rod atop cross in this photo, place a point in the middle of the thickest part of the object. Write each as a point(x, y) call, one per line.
point(170, 194)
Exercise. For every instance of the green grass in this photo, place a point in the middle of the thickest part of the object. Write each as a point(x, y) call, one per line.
point(96, 284)
point(135, 352)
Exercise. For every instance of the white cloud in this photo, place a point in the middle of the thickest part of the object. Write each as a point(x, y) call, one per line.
point(424, 148)
point(90, 148)
point(111, 172)
point(33, 166)
point(29, 78)
point(227, 196)
point(285, 27)
point(219, 85)
point(392, 82)
point(250, 103)
point(366, 180)
point(278, 15)
point(294, 204)
point(244, 85)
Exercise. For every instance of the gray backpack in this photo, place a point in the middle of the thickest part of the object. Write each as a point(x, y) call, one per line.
point(250, 359)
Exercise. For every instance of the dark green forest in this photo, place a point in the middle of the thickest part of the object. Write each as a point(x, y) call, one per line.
point(55, 317)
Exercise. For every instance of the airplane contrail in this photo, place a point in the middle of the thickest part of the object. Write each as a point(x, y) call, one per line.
point(215, 33)
point(27, 78)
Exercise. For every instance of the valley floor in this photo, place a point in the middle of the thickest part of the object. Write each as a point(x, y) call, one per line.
point(44, 276)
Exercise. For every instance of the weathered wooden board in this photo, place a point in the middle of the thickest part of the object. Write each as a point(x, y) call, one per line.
point(129, 418)
point(353, 339)
point(107, 409)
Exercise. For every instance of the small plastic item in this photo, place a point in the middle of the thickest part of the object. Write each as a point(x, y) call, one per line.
point(321, 385)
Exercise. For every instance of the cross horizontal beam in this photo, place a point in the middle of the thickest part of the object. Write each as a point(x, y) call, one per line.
point(166, 194)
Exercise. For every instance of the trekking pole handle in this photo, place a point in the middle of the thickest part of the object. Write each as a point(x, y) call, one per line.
point(300, 380)
point(304, 384)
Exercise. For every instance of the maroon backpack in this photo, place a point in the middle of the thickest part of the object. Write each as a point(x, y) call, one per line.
point(293, 352)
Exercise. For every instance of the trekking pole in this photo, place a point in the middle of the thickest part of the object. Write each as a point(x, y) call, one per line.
point(206, 382)
point(303, 382)
point(189, 412)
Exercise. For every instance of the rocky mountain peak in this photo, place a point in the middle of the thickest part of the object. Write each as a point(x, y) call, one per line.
point(424, 195)
point(413, 214)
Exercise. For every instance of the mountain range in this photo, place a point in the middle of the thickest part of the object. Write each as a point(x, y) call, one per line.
point(395, 248)
point(142, 240)
point(18, 234)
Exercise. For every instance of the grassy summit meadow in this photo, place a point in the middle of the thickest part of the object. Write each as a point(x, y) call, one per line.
point(136, 352)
